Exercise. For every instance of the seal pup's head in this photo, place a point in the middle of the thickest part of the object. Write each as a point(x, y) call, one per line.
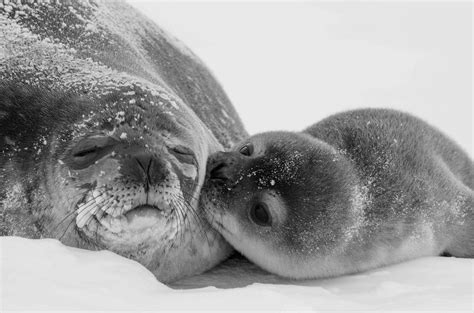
point(285, 200)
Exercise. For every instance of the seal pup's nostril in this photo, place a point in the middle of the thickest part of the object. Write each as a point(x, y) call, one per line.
point(219, 171)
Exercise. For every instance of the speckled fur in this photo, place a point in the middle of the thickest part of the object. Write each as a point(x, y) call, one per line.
point(357, 190)
point(72, 71)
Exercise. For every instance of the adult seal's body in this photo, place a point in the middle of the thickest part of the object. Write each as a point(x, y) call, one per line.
point(106, 123)
point(355, 191)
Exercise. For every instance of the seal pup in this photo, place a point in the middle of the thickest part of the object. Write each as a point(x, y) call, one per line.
point(356, 191)
point(106, 123)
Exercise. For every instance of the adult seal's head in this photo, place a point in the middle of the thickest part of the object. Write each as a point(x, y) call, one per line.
point(106, 123)
point(358, 190)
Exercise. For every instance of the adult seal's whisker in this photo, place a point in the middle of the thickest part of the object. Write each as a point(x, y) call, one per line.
point(66, 229)
point(203, 225)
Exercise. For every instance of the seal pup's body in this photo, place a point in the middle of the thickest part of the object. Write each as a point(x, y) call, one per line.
point(356, 191)
point(106, 123)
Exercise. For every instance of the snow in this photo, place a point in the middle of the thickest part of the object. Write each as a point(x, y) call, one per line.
point(46, 275)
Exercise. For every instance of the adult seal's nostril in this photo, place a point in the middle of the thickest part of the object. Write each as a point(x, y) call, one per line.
point(144, 168)
point(144, 162)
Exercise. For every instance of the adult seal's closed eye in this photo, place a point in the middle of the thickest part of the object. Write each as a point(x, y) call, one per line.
point(356, 191)
point(106, 123)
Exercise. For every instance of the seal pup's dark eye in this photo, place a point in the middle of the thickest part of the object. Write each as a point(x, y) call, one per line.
point(260, 215)
point(246, 150)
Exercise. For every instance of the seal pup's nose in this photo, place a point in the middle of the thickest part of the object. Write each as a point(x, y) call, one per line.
point(219, 166)
point(219, 171)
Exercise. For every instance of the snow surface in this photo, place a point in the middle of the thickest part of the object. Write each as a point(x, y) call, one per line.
point(46, 275)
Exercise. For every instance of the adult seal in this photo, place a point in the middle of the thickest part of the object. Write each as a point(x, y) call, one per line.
point(356, 191)
point(106, 123)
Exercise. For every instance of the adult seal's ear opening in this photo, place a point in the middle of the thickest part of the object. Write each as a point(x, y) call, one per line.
point(106, 123)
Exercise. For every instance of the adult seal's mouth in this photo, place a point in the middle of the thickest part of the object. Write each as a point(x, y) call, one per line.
point(137, 219)
point(106, 123)
point(143, 212)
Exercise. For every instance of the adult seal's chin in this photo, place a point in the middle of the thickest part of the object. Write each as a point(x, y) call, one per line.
point(145, 235)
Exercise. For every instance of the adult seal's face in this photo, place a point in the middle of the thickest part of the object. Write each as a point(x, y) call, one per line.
point(105, 132)
point(108, 174)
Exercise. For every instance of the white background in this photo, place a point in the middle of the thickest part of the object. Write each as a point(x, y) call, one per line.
point(286, 65)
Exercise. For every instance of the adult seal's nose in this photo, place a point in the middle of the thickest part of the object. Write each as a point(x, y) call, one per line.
point(144, 167)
